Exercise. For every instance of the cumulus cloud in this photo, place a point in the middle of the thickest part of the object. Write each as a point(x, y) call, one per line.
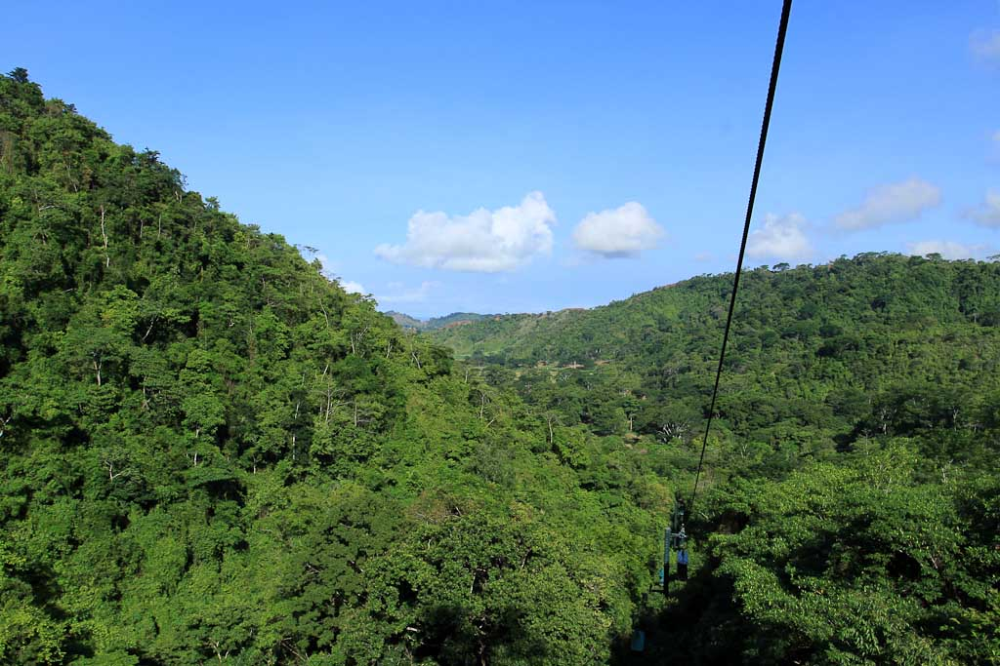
point(399, 293)
point(781, 237)
point(947, 249)
point(897, 202)
point(988, 213)
point(985, 45)
point(483, 241)
point(352, 287)
point(623, 232)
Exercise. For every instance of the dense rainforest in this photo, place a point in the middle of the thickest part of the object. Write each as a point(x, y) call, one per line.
point(211, 453)
point(857, 428)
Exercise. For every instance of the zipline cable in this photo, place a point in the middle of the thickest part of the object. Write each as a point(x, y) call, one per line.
point(775, 66)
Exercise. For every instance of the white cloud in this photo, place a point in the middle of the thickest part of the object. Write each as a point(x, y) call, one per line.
point(947, 249)
point(996, 137)
point(328, 265)
point(402, 294)
point(352, 287)
point(483, 241)
point(780, 238)
point(988, 213)
point(897, 202)
point(704, 256)
point(985, 44)
point(622, 232)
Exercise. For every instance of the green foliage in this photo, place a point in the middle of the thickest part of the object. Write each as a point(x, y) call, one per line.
point(209, 452)
point(865, 561)
point(856, 428)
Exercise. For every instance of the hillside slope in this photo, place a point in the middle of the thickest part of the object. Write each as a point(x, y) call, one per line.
point(211, 453)
point(853, 465)
point(874, 290)
point(828, 348)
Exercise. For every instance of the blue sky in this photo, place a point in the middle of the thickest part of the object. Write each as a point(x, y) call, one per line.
point(528, 156)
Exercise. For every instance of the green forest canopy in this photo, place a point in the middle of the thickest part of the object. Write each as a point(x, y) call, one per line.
point(209, 452)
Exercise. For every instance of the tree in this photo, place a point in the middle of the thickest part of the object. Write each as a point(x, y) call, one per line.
point(18, 75)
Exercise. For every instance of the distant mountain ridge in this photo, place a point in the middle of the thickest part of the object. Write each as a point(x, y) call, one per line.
point(873, 293)
point(435, 323)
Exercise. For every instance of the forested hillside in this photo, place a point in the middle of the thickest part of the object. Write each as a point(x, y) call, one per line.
point(827, 353)
point(858, 426)
point(210, 453)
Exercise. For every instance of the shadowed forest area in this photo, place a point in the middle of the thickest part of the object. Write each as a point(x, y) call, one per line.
point(211, 453)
